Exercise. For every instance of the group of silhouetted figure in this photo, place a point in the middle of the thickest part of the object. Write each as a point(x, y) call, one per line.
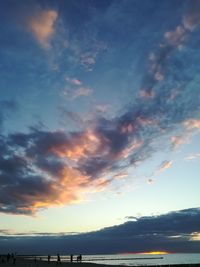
point(8, 258)
point(78, 258)
point(11, 258)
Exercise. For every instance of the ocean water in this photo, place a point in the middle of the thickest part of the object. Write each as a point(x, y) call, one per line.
point(136, 259)
point(144, 259)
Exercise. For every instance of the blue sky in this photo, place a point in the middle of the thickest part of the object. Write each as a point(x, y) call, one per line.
point(99, 119)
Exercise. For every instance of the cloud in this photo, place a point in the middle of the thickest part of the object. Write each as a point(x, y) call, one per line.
point(88, 58)
point(195, 236)
point(73, 81)
point(193, 156)
point(176, 232)
point(74, 116)
point(173, 40)
point(82, 91)
point(192, 19)
point(179, 140)
point(176, 37)
point(121, 175)
point(77, 89)
point(150, 181)
point(102, 108)
point(47, 168)
point(165, 165)
point(42, 25)
point(76, 93)
point(191, 124)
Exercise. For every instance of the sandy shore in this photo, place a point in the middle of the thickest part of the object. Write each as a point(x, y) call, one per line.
point(20, 262)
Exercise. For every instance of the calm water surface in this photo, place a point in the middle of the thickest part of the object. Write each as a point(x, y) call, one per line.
point(136, 259)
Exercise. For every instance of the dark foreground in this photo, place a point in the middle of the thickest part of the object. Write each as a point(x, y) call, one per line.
point(20, 262)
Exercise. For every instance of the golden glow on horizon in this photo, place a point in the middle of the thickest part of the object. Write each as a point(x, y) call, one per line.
point(154, 252)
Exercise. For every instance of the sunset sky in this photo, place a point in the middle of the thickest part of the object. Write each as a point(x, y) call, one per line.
point(100, 125)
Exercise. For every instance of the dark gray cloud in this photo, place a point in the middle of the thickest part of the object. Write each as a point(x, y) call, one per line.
point(171, 232)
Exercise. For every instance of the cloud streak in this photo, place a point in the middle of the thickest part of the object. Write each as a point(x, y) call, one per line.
point(165, 165)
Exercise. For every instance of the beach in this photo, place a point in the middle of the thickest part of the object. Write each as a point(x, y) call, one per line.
point(22, 262)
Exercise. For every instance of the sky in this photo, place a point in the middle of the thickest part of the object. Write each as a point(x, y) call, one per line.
point(99, 126)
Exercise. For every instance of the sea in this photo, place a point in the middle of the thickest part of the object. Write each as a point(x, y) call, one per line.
point(136, 259)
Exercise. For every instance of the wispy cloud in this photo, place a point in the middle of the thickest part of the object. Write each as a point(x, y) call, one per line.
point(193, 156)
point(82, 91)
point(76, 93)
point(42, 25)
point(74, 81)
point(165, 165)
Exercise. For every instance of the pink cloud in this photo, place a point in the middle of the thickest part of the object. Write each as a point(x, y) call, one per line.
point(165, 165)
point(179, 140)
point(42, 26)
point(74, 81)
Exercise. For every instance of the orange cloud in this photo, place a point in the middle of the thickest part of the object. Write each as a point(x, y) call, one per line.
point(42, 26)
point(79, 147)
point(70, 188)
point(192, 124)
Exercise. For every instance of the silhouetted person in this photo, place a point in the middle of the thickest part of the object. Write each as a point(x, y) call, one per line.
point(49, 258)
point(8, 257)
point(58, 259)
point(71, 257)
point(35, 260)
point(14, 259)
point(79, 258)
